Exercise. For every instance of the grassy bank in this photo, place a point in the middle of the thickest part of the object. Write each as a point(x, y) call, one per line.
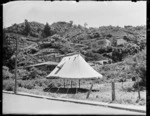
point(101, 91)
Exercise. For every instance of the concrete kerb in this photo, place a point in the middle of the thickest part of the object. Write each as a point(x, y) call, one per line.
point(117, 106)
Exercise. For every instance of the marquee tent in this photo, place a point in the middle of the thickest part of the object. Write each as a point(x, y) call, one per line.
point(74, 66)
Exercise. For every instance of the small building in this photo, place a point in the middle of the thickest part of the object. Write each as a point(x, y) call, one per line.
point(121, 42)
point(102, 62)
point(108, 43)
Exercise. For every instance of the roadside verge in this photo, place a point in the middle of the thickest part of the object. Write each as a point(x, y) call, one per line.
point(141, 109)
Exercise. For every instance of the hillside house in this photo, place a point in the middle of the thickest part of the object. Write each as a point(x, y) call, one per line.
point(107, 42)
point(50, 65)
point(121, 42)
point(104, 43)
point(45, 66)
point(102, 62)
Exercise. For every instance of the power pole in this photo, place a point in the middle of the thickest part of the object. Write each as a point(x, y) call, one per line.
point(15, 90)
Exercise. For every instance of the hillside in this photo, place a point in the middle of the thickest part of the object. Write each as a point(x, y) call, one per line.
point(124, 50)
point(107, 42)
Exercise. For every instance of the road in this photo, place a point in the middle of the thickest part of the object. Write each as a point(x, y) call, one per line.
point(17, 104)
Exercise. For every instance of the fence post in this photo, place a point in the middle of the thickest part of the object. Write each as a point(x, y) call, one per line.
point(138, 90)
point(113, 91)
point(79, 83)
point(89, 91)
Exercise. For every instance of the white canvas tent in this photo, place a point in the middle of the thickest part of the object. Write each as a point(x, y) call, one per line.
point(74, 67)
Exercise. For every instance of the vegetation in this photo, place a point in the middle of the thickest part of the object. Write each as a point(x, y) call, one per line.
point(139, 68)
point(27, 29)
point(40, 43)
point(47, 31)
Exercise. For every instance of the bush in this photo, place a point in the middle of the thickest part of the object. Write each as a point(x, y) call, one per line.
point(138, 67)
point(8, 85)
point(22, 74)
point(33, 73)
point(141, 85)
point(6, 73)
point(27, 29)
point(54, 85)
point(29, 84)
point(40, 82)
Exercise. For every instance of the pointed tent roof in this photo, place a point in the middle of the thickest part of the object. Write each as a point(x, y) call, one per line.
point(74, 67)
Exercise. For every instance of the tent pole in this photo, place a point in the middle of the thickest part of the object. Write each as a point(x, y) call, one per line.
point(79, 83)
point(64, 83)
point(71, 83)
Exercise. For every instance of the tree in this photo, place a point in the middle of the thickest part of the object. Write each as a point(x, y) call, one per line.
point(85, 24)
point(47, 31)
point(27, 28)
point(138, 68)
point(117, 54)
point(71, 23)
point(8, 51)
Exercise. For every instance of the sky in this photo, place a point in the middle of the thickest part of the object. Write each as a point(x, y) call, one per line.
point(95, 14)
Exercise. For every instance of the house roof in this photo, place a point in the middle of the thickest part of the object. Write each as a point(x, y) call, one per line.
point(121, 41)
point(44, 63)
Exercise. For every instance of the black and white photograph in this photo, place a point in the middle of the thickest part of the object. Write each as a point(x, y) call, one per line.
point(68, 57)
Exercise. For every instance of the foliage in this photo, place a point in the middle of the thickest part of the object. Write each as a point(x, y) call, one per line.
point(29, 85)
point(27, 29)
point(23, 74)
point(26, 84)
point(106, 49)
point(65, 38)
point(54, 85)
point(138, 67)
point(71, 23)
point(8, 85)
point(33, 73)
point(6, 73)
point(117, 54)
point(47, 31)
point(8, 51)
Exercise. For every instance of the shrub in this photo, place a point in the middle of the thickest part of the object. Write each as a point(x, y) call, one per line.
point(27, 29)
point(19, 83)
point(54, 85)
point(29, 84)
point(40, 82)
point(8, 85)
point(22, 74)
point(6, 73)
point(138, 67)
point(47, 31)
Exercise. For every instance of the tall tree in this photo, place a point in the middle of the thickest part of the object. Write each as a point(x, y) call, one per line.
point(8, 50)
point(85, 24)
point(71, 22)
point(47, 31)
point(27, 28)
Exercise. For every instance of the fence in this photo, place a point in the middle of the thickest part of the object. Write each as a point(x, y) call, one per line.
point(101, 91)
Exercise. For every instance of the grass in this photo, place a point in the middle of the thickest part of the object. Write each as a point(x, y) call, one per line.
point(101, 92)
